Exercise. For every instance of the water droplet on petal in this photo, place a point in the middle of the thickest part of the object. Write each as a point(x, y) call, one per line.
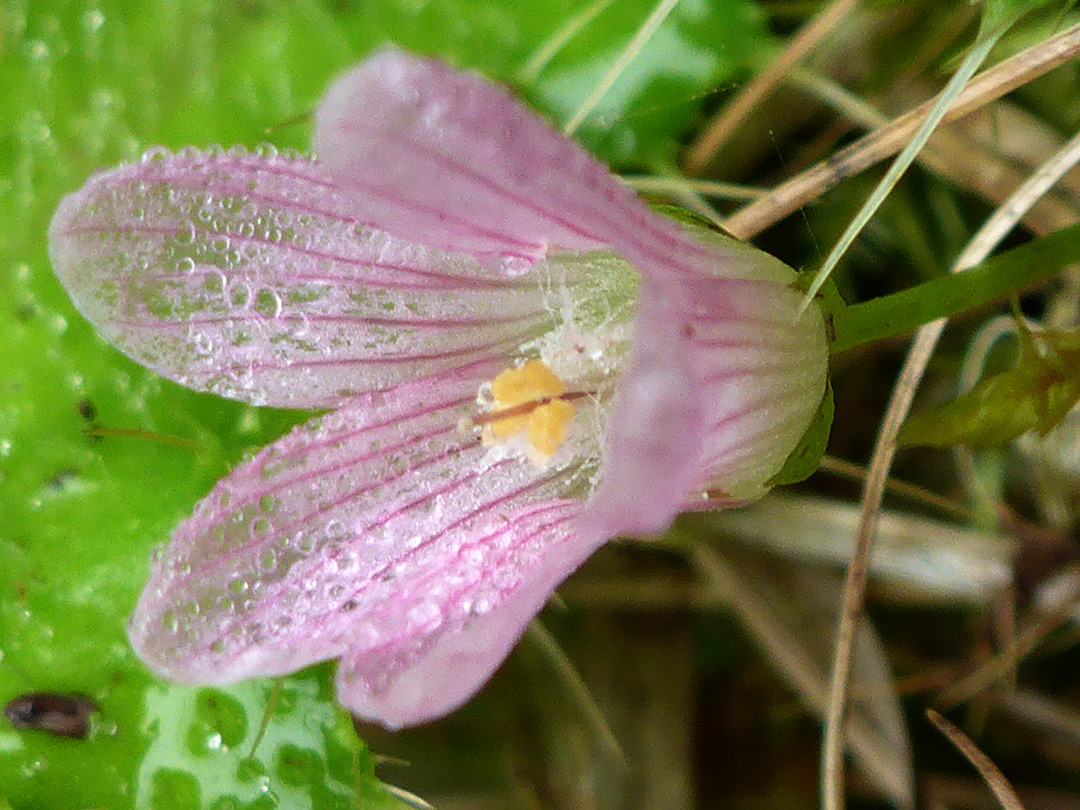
point(169, 621)
point(268, 560)
point(260, 527)
point(426, 615)
point(202, 344)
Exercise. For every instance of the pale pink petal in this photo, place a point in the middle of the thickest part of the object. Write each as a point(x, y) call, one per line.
point(399, 685)
point(655, 429)
point(383, 527)
point(252, 277)
point(761, 370)
point(725, 378)
point(449, 159)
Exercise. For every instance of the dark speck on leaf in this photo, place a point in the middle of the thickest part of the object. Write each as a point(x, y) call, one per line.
point(62, 715)
point(87, 410)
point(59, 480)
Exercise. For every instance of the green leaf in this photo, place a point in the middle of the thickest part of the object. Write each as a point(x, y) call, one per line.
point(1035, 395)
point(999, 15)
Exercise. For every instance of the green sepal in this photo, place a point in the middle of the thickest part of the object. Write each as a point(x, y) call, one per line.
point(806, 457)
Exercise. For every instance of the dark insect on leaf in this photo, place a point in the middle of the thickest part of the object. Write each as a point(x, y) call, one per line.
point(62, 715)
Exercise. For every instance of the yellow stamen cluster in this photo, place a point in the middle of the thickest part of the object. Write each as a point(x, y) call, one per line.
point(531, 395)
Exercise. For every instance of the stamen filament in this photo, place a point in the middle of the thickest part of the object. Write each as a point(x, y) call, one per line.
point(526, 408)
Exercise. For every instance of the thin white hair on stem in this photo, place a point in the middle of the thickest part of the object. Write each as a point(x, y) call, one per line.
point(553, 44)
point(991, 774)
point(632, 49)
point(992, 232)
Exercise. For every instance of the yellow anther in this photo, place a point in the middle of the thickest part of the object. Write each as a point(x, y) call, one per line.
point(531, 392)
point(527, 383)
point(547, 425)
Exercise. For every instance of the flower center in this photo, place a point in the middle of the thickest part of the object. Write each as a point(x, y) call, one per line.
point(529, 400)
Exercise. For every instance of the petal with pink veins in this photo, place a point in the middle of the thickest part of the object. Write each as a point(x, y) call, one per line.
point(401, 532)
point(253, 278)
point(383, 530)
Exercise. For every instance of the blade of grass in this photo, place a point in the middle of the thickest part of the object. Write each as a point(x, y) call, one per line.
point(578, 691)
point(710, 188)
point(531, 70)
point(991, 774)
point(972, 61)
point(633, 47)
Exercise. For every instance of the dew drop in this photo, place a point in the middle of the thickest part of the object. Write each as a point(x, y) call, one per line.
point(260, 527)
point(93, 20)
point(155, 154)
point(169, 621)
point(335, 531)
point(426, 614)
point(202, 344)
point(268, 303)
point(268, 560)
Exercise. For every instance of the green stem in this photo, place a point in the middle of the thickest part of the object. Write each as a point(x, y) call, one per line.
point(905, 311)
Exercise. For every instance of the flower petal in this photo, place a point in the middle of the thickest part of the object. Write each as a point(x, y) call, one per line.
point(761, 371)
point(451, 160)
point(382, 530)
point(399, 686)
point(655, 428)
point(250, 276)
point(725, 378)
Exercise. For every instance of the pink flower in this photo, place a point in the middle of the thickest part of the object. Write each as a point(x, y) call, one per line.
point(518, 360)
